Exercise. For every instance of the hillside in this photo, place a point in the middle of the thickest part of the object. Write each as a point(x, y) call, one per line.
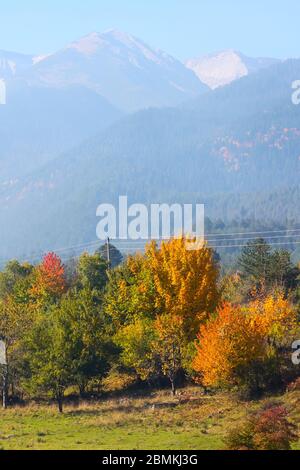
point(235, 149)
point(37, 124)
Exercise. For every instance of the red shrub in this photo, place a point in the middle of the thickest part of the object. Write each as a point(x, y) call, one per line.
point(272, 430)
point(269, 429)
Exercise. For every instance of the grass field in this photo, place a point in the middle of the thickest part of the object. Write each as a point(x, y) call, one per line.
point(155, 422)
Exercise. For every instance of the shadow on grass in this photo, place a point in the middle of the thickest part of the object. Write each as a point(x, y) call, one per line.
point(129, 408)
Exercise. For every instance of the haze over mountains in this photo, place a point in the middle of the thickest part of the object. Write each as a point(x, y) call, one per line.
point(12, 63)
point(120, 68)
point(67, 142)
point(56, 101)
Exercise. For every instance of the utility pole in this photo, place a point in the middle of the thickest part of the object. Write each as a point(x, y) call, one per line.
point(108, 252)
point(3, 364)
point(4, 393)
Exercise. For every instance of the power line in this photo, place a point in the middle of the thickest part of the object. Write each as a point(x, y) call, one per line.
point(252, 238)
point(258, 244)
point(127, 245)
point(126, 242)
point(252, 233)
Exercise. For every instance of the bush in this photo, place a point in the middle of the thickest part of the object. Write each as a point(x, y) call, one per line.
point(269, 429)
point(116, 381)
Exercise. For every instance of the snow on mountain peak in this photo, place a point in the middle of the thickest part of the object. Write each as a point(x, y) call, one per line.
point(218, 69)
point(118, 43)
point(39, 58)
point(224, 67)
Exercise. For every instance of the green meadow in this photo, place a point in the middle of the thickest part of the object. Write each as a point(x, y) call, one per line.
point(192, 421)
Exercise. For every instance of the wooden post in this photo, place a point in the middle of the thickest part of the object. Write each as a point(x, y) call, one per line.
point(4, 393)
point(108, 252)
point(4, 366)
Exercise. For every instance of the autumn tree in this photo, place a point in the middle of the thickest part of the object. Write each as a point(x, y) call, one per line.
point(229, 342)
point(268, 429)
point(234, 345)
point(137, 352)
point(49, 283)
point(170, 346)
point(163, 295)
point(185, 283)
point(232, 288)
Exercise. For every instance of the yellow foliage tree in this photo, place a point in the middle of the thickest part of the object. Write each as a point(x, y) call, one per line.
point(157, 302)
point(136, 340)
point(185, 282)
point(169, 345)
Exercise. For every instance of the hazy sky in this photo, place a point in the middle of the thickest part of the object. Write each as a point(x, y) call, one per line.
point(184, 28)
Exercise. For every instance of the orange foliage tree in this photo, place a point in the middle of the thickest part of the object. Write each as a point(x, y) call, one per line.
point(240, 337)
point(49, 283)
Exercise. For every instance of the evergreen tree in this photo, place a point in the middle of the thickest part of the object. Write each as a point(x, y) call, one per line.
point(255, 260)
point(115, 256)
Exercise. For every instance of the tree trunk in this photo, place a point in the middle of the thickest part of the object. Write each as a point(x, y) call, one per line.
point(173, 387)
point(173, 372)
point(82, 388)
point(4, 392)
point(59, 400)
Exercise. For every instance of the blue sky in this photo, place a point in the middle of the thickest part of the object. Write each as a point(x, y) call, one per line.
point(184, 28)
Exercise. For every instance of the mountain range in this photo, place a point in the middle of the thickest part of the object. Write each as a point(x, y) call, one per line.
point(55, 101)
point(121, 68)
point(235, 148)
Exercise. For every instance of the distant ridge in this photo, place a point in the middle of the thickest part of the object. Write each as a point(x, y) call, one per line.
point(120, 67)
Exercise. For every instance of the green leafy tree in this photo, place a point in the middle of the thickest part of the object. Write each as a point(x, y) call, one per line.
point(9, 277)
point(136, 341)
point(92, 271)
point(87, 335)
point(69, 346)
point(16, 318)
point(130, 293)
point(51, 369)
